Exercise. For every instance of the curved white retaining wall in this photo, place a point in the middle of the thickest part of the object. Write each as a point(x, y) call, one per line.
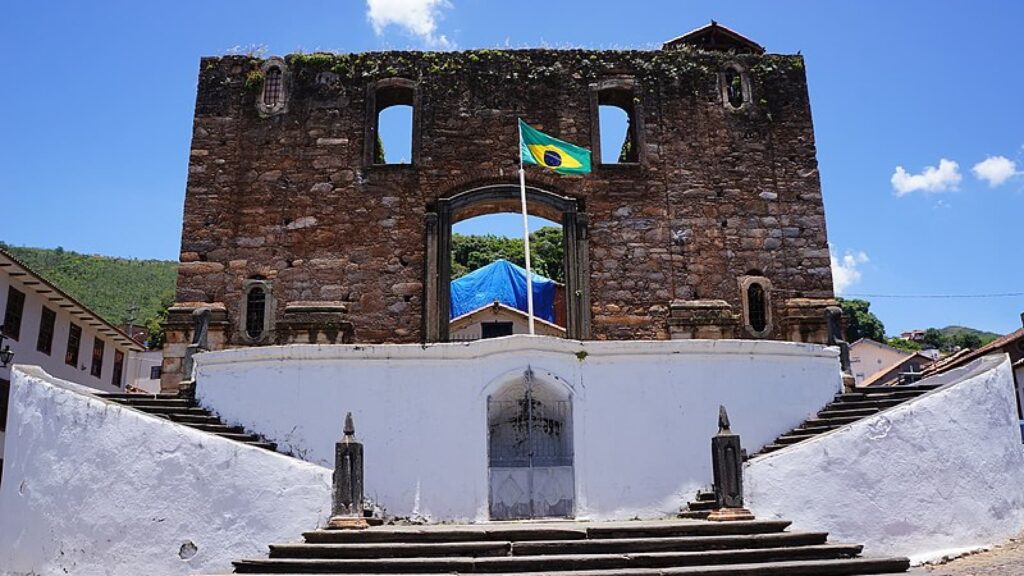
point(643, 412)
point(92, 487)
point(941, 474)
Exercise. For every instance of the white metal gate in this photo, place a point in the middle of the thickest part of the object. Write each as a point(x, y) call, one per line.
point(530, 453)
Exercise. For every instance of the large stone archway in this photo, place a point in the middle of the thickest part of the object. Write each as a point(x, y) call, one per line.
point(505, 198)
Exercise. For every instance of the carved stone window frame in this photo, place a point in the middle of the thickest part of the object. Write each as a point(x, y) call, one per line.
point(378, 93)
point(744, 283)
point(604, 92)
point(281, 106)
point(268, 312)
point(745, 88)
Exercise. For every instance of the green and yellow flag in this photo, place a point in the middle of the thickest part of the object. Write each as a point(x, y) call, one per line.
point(536, 147)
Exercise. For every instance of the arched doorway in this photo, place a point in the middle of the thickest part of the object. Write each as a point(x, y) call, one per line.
point(530, 451)
point(505, 198)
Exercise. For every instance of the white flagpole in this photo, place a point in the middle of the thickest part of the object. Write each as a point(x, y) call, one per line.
point(526, 234)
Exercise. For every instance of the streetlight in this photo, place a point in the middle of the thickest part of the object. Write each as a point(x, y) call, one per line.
point(6, 354)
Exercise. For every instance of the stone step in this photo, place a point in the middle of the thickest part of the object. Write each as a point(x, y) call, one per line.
point(844, 567)
point(843, 412)
point(548, 547)
point(702, 505)
point(176, 410)
point(879, 395)
point(832, 421)
point(146, 405)
point(880, 403)
point(519, 532)
point(217, 428)
point(239, 436)
point(694, 514)
point(134, 395)
point(189, 419)
point(814, 430)
point(562, 562)
point(790, 439)
point(920, 388)
point(705, 496)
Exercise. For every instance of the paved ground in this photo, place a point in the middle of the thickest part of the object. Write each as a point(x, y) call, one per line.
point(1005, 560)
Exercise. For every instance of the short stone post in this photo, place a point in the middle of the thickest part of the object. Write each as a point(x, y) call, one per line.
point(727, 464)
point(347, 495)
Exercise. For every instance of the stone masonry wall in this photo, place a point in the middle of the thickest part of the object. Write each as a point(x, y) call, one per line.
point(718, 193)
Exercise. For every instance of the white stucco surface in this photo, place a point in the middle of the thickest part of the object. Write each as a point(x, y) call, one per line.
point(643, 413)
point(941, 473)
point(92, 487)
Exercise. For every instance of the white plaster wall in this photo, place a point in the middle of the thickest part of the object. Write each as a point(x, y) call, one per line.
point(25, 346)
point(941, 473)
point(643, 412)
point(92, 487)
point(139, 368)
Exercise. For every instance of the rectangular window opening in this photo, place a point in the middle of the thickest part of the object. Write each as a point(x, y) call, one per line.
point(44, 343)
point(96, 368)
point(115, 379)
point(74, 343)
point(13, 312)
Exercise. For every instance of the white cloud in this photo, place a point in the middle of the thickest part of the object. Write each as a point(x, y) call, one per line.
point(845, 272)
point(945, 177)
point(995, 170)
point(417, 17)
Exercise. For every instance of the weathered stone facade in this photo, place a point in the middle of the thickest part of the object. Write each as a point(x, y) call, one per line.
point(719, 189)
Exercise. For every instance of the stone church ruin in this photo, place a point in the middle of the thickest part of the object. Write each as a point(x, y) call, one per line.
point(710, 225)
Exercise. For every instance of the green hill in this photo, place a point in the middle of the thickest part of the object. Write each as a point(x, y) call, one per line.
point(109, 286)
point(985, 337)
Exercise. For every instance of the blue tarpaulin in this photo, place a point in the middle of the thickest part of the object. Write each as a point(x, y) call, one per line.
point(505, 282)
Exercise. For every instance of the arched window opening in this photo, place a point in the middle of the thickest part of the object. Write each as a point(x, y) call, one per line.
point(617, 126)
point(757, 307)
point(273, 87)
point(255, 312)
point(734, 87)
point(487, 290)
point(393, 109)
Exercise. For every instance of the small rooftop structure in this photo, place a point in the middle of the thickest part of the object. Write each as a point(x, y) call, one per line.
point(715, 37)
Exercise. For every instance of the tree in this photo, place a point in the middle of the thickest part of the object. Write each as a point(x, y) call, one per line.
point(934, 338)
point(903, 344)
point(968, 340)
point(861, 323)
point(470, 252)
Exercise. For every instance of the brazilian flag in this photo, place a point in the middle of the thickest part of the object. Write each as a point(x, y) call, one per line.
point(536, 147)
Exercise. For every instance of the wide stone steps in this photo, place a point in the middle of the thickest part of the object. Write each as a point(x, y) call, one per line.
point(645, 548)
point(187, 412)
point(847, 408)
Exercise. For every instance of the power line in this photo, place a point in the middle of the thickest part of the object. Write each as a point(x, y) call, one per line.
point(934, 296)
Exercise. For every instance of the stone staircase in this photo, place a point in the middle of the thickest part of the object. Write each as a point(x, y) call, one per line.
point(845, 409)
point(188, 412)
point(636, 548)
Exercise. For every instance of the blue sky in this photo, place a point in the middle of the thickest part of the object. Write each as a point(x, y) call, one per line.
point(99, 99)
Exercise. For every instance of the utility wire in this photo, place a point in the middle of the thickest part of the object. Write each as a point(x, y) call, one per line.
point(922, 296)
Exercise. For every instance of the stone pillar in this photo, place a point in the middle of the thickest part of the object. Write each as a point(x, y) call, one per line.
point(803, 319)
point(710, 319)
point(347, 494)
point(179, 329)
point(431, 322)
point(834, 318)
point(727, 464)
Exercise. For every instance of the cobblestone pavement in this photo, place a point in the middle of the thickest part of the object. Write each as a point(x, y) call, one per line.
point(1005, 560)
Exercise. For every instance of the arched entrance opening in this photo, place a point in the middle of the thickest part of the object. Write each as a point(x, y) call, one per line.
point(496, 199)
point(530, 451)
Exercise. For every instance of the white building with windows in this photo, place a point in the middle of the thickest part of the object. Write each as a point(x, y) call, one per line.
point(46, 327)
